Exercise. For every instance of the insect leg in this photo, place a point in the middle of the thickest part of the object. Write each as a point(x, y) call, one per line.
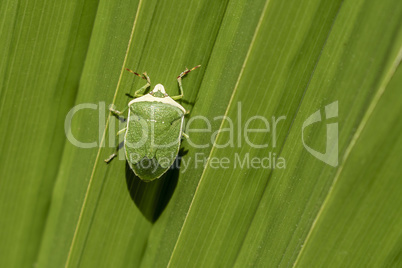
point(186, 71)
point(111, 157)
point(141, 91)
point(121, 131)
point(116, 112)
point(184, 135)
point(121, 144)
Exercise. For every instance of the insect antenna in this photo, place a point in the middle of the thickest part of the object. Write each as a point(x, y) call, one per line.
point(187, 71)
point(137, 74)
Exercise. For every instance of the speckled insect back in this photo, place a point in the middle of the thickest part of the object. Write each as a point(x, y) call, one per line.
point(154, 129)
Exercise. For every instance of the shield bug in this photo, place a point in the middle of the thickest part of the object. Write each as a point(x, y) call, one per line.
point(154, 128)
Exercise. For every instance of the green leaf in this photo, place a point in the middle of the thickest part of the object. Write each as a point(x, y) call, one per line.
point(43, 46)
point(265, 64)
point(371, 208)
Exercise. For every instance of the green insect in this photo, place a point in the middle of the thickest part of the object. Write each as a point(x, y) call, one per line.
point(154, 129)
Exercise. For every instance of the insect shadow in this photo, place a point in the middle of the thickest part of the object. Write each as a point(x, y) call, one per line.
point(151, 198)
